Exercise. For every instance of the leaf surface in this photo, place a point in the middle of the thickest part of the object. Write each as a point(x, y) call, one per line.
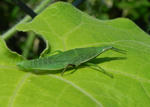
point(65, 27)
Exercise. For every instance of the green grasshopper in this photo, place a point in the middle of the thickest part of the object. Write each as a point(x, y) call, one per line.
point(64, 60)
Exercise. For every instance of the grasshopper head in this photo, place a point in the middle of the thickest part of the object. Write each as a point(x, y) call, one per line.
point(21, 65)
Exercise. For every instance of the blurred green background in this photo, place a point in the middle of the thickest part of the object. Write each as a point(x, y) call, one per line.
point(10, 14)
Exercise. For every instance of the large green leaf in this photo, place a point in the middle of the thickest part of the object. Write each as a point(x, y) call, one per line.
point(10, 77)
point(65, 27)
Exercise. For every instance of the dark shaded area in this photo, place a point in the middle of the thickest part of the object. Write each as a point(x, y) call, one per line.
point(20, 37)
point(106, 59)
point(7, 15)
point(25, 8)
point(77, 2)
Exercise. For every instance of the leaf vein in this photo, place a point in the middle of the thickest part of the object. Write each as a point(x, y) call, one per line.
point(78, 88)
point(17, 89)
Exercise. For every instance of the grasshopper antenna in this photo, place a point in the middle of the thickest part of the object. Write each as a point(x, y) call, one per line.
point(25, 8)
point(119, 50)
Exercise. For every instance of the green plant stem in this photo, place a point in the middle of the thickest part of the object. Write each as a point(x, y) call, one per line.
point(13, 30)
point(29, 44)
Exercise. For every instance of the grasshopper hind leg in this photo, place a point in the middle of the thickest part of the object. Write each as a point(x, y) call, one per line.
point(99, 69)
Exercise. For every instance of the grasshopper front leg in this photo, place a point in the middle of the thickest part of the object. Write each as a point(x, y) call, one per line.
point(62, 73)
